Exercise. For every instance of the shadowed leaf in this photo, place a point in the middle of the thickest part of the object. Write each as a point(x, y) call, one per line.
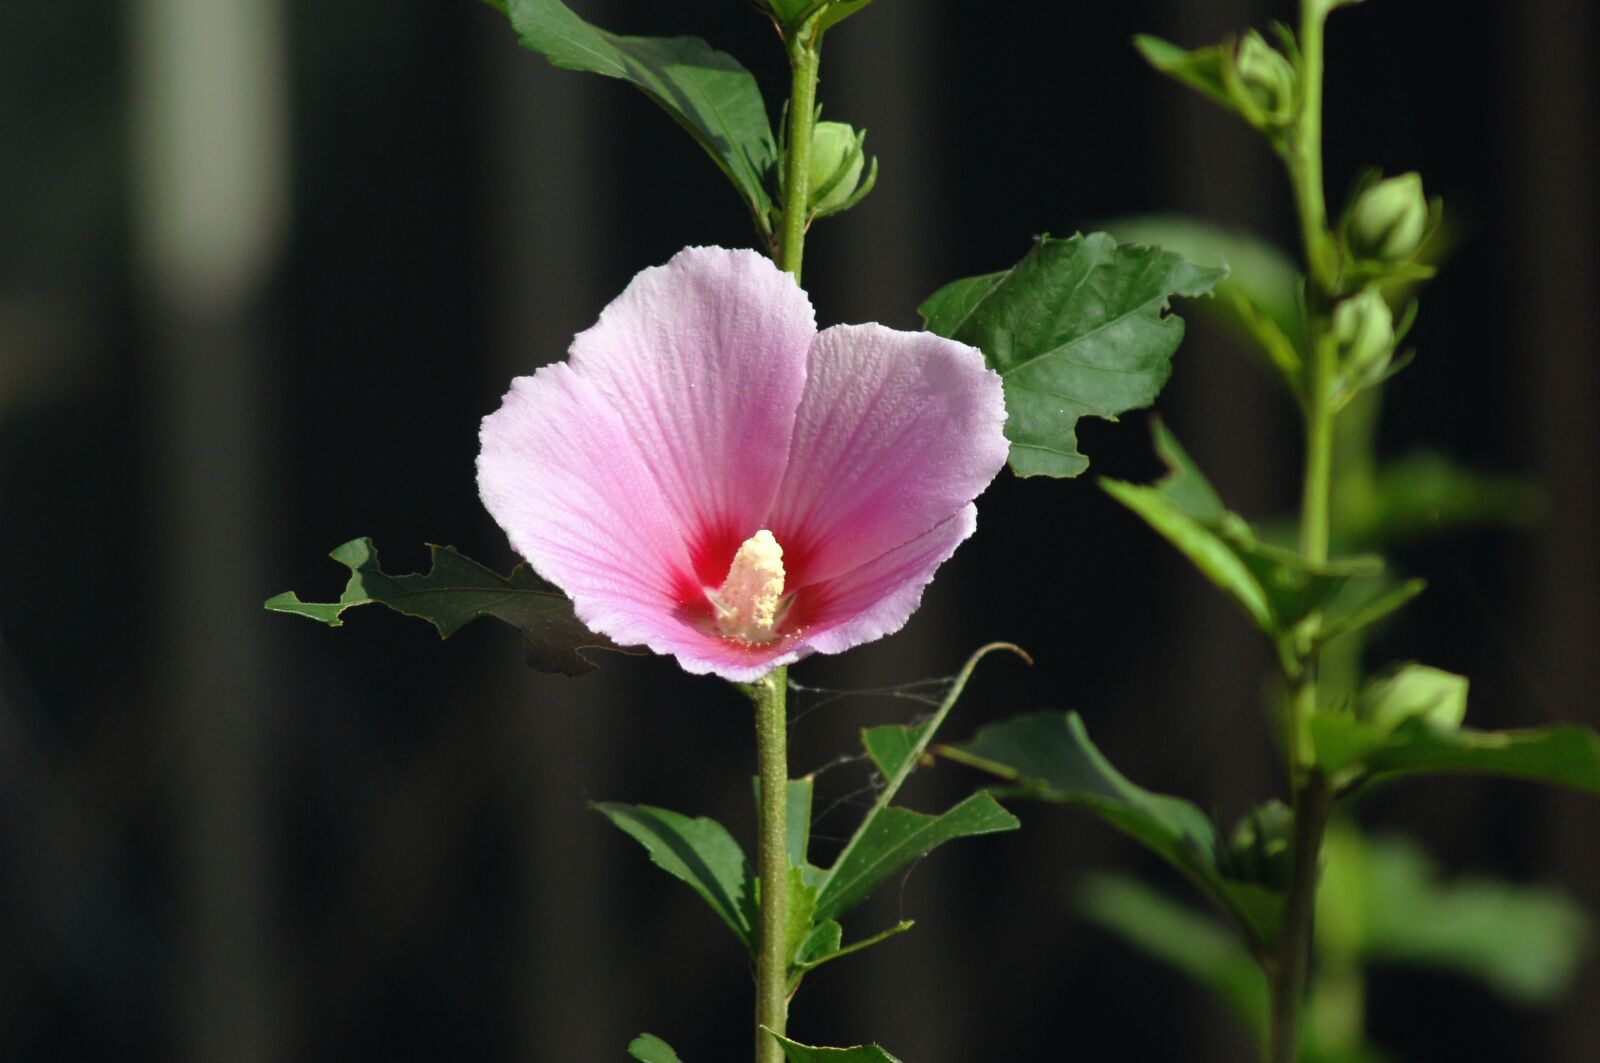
point(455, 591)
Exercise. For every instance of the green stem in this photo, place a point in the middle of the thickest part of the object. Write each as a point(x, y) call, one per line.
point(805, 56)
point(1288, 974)
point(772, 961)
point(1288, 967)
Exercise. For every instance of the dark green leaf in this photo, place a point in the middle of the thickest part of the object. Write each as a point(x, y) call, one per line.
point(455, 591)
point(1275, 587)
point(1077, 329)
point(891, 746)
point(707, 91)
point(893, 838)
point(648, 1048)
point(839, 10)
point(1565, 755)
point(699, 852)
point(1049, 756)
point(1195, 944)
point(799, 1053)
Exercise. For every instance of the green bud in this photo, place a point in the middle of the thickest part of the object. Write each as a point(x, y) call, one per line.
point(1267, 77)
point(1389, 219)
point(837, 159)
point(1415, 691)
point(1258, 850)
point(1364, 326)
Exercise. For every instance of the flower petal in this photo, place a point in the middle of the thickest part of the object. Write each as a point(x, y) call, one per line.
point(897, 432)
point(704, 360)
point(563, 475)
point(876, 599)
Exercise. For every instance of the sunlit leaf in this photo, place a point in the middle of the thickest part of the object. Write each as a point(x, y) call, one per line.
point(1077, 329)
point(699, 852)
point(1049, 756)
point(707, 91)
point(455, 591)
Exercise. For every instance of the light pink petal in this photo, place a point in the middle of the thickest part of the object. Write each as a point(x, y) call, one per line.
point(565, 478)
point(704, 361)
point(897, 432)
point(877, 598)
point(700, 652)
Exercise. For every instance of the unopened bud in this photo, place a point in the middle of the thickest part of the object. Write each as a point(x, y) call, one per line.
point(1267, 77)
point(837, 159)
point(1364, 326)
point(1389, 218)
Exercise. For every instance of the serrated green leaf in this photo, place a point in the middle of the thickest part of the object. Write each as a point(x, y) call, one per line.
point(1049, 756)
point(1260, 276)
point(1564, 755)
point(455, 591)
point(648, 1048)
point(893, 838)
point(823, 941)
point(1077, 329)
point(707, 91)
point(799, 1053)
point(1193, 943)
point(699, 852)
point(1275, 587)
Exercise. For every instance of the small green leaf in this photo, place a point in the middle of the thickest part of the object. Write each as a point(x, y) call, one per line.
point(707, 91)
point(1193, 943)
point(1201, 69)
point(839, 10)
point(893, 838)
point(699, 852)
point(648, 1048)
point(1564, 755)
point(1077, 329)
point(799, 1053)
point(1049, 756)
point(1275, 587)
point(455, 591)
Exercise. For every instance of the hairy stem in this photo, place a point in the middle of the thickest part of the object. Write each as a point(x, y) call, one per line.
point(805, 55)
point(772, 961)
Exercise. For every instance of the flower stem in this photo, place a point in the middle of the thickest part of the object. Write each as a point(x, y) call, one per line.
point(805, 55)
point(772, 961)
point(1313, 798)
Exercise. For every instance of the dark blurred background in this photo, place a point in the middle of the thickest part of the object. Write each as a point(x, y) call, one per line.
point(263, 267)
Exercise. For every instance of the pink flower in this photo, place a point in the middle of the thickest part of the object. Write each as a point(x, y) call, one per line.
point(711, 477)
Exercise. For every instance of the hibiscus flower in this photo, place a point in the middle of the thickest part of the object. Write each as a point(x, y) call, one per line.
point(710, 476)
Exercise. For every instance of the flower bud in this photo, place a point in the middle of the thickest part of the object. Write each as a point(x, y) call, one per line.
point(1364, 326)
point(1389, 218)
point(1258, 850)
point(1415, 691)
point(836, 163)
point(1267, 77)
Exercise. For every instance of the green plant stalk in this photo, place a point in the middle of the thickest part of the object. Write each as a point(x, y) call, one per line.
point(804, 45)
point(1287, 969)
point(772, 960)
